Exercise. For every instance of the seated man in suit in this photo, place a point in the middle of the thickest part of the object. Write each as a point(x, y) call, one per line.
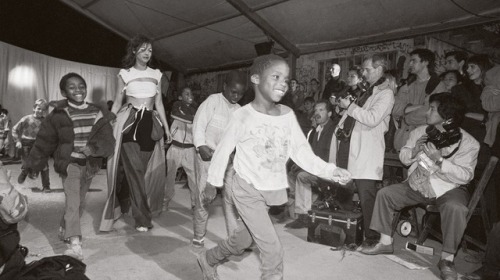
point(442, 158)
point(324, 145)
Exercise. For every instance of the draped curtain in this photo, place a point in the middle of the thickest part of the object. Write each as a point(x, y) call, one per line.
point(26, 76)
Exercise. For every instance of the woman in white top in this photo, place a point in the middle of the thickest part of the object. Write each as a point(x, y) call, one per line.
point(136, 171)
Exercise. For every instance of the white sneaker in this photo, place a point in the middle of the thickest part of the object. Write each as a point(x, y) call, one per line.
point(75, 251)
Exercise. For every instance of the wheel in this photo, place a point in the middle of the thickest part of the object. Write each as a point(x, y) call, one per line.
point(404, 228)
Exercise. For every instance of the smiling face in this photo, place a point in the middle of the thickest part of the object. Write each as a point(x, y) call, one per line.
point(38, 111)
point(75, 90)
point(187, 96)
point(143, 54)
point(233, 92)
point(272, 83)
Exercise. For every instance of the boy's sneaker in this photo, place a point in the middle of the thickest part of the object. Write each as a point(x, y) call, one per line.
point(142, 229)
point(75, 251)
point(46, 189)
point(199, 243)
point(209, 272)
point(22, 177)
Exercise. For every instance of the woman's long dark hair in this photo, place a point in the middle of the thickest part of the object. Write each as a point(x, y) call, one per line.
point(132, 47)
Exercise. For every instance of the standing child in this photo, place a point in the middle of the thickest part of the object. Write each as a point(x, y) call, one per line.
point(77, 134)
point(266, 135)
point(182, 152)
point(209, 123)
point(24, 135)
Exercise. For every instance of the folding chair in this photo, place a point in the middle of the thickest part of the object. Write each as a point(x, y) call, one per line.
point(477, 197)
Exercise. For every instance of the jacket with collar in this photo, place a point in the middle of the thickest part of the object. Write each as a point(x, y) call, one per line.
point(56, 137)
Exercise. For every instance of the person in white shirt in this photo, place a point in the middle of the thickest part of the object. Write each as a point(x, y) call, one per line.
point(209, 123)
point(440, 169)
point(265, 134)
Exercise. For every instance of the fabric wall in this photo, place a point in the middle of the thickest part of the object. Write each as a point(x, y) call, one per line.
point(26, 76)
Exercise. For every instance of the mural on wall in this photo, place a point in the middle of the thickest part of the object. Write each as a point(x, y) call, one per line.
point(440, 48)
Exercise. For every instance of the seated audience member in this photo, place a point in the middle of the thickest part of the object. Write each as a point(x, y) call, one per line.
point(442, 158)
point(304, 117)
point(324, 145)
point(297, 94)
point(450, 79)
point(314, 90)
point(182, 152)
point(455, 60)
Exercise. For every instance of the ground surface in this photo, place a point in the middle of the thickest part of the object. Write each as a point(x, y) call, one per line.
point(165, 252)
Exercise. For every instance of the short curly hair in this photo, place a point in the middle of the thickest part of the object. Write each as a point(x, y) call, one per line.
point(263, 62)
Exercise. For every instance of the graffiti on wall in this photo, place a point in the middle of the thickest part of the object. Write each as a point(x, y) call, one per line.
point(307, 65)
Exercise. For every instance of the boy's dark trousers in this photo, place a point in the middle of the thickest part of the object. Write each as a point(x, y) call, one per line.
point(25, 151)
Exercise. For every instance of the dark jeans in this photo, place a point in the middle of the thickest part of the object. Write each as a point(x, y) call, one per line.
point(135, 163)
point(367, 191)
point(25, 151)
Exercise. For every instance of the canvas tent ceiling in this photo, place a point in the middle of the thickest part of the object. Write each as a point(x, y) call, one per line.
point(201, 35)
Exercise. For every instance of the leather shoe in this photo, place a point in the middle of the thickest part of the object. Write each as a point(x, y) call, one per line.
point(378, 249)
point(448, 271)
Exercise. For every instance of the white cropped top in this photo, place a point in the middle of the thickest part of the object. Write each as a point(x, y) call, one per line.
point(140, 83)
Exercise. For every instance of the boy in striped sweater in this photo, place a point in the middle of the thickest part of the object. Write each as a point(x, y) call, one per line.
point(24, 135)
point(78, 134)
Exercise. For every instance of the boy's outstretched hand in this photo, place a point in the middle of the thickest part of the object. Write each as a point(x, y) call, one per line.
point(208, 194)
point(341, 175)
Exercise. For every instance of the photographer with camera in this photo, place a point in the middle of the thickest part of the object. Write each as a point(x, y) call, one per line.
point(442, 158)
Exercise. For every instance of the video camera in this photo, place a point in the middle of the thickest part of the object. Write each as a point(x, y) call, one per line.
point(450, 136)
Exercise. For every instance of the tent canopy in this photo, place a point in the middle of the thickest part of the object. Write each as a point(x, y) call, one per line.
point(203, 35)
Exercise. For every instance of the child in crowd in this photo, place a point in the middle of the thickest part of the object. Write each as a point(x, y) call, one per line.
point(4, 130)
point(265, 135)
point(450, 79)
point(24, 135)
point(210, 121)
point(181, 152)
point(78, 134)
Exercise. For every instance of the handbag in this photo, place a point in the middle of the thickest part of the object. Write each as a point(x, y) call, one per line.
point(13, 205)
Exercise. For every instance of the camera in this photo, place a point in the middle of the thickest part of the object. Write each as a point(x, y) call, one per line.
point(450, 136)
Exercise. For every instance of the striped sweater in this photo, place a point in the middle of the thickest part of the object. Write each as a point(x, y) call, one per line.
point(83, 117)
